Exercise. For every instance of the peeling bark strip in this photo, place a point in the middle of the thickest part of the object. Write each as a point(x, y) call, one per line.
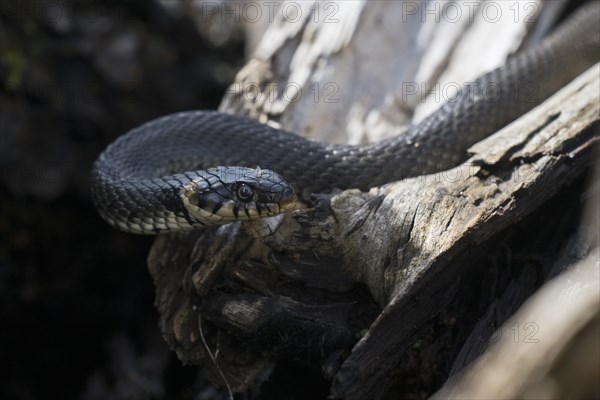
point(286, 287)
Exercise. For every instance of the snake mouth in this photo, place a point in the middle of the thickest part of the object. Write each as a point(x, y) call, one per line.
point(288, 200)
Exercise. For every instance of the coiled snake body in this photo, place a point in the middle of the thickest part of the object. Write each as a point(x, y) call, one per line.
point(155, 177)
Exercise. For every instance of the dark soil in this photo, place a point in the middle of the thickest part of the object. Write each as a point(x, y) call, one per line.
point(76, 300)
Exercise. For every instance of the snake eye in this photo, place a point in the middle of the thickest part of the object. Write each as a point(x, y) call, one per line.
point(245, 192)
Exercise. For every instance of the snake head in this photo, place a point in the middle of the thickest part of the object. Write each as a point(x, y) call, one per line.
point(226, 194)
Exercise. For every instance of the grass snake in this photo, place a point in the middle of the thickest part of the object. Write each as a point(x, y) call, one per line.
point(201, 168)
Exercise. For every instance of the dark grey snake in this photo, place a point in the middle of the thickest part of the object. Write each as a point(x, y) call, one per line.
point(157, 178)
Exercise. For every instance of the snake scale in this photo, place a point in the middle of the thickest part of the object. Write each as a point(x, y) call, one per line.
point(200, 168)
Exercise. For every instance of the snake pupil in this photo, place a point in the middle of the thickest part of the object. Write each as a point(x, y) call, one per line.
point(245, 192)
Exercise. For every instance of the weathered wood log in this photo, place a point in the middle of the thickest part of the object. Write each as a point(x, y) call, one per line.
point(560, 355)
point(429, 222)
point(287, 287)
